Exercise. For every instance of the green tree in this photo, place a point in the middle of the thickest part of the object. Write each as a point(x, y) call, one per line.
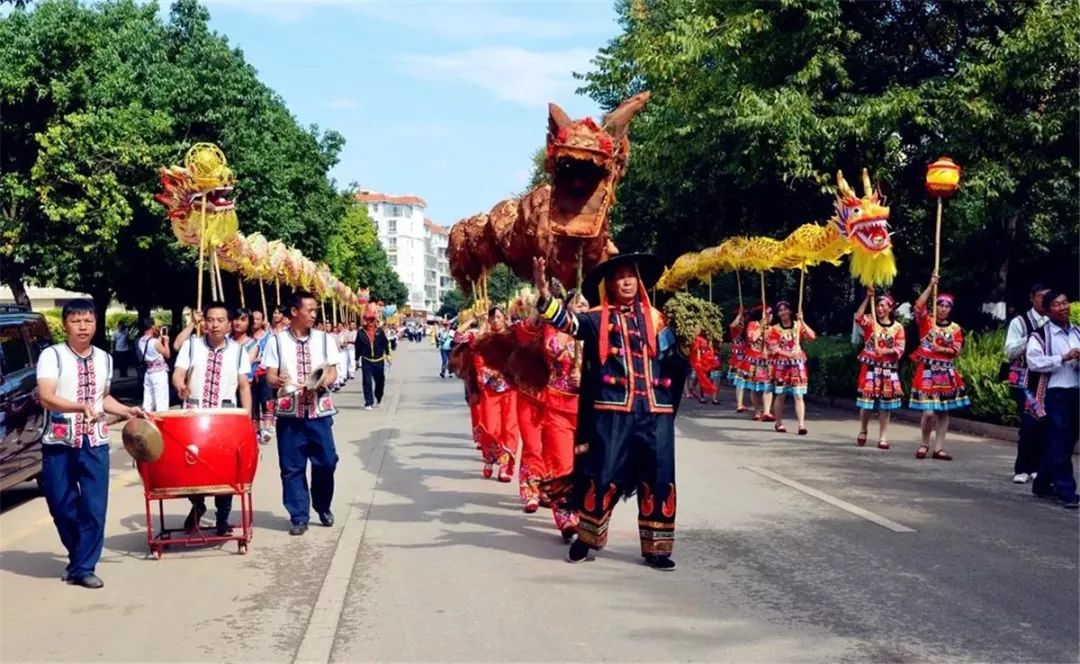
point(453, 301)
point(756, 105)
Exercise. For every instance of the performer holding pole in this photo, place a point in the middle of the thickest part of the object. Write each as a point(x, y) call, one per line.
point(879, 377)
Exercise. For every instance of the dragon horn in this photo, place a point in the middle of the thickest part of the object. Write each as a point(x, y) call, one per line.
point(843, 187)
point(868, 190)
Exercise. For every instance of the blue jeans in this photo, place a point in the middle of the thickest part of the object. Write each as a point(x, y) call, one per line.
point(1062, 421)
point(445, 353)
point(75, 481)
point(300, 439)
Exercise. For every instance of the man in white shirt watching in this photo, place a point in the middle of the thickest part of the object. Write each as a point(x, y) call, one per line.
point(1028, 444)
point(1054, 353)
point(73, 379)
point(211, 371)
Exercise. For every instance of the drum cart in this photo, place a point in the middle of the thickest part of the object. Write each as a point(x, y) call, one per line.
point(207, 453)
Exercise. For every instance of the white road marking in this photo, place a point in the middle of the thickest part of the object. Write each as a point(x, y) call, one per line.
point(317, 643)
point(834, 501)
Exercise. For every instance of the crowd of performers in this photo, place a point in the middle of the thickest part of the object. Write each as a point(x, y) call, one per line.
point(587, 384)
point(282, 372)
point(768, 361)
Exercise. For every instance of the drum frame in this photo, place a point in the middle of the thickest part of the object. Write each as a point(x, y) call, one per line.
point(165, 537)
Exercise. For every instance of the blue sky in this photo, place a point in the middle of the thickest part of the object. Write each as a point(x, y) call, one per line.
point(446, 100)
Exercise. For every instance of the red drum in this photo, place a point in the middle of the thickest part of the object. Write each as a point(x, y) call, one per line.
point(206, 451)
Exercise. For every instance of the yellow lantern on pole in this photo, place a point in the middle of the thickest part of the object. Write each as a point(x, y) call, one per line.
point(942, 181)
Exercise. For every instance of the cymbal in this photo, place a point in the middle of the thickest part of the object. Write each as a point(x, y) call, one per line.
point(316, 377)
point(142, 440)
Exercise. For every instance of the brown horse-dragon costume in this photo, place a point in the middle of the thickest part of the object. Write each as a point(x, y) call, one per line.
point(566, 221)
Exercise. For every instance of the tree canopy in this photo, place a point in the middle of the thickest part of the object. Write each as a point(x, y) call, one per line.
point(756, 105)
point(96, 98)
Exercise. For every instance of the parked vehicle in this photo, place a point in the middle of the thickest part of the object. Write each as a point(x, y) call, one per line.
point(23, 336)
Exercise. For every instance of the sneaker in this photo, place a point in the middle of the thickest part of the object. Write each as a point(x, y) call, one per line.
point(326, 518)
point(298, 529)
point(368, 408)
point(662, 563)
point(1071, 503)
point(89, 581)
point(578, 553)
point(265, 437)
point(1021, 478)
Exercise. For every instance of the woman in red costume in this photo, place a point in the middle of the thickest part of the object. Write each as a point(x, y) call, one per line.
point(461, 364)
point(788, 360)
point(498, 407)
point(529, 331)
point(937, 386)
point(703, 361)
point(560, 421)
point(879, 376)
point(738, 366)
point(759, 370)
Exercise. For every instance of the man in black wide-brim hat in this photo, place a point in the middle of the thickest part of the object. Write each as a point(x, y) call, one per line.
point(631, 382)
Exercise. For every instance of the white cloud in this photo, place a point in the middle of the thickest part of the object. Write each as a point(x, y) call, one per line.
point(345, 103)
point(520, 76)
point(469, 21)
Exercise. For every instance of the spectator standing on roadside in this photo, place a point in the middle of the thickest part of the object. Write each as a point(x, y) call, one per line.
point(1028, 446)
point(1054, 353)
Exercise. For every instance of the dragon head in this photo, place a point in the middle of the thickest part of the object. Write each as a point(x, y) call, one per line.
point(863, 221)
point(585, 161)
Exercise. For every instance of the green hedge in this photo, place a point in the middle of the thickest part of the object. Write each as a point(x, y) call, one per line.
point(112, 320)
point(834, 372)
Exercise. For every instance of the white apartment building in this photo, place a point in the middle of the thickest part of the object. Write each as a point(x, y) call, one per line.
point(415, 245)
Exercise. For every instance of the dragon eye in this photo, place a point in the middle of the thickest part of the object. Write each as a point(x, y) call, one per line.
point(856, 210)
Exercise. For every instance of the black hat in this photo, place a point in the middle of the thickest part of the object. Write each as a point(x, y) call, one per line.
point(649, 269)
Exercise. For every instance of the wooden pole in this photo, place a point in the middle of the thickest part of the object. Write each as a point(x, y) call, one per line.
point(322, 309)
point(580, 264)
point(710, 287)
point(333, 310)
point(764, 313)
point(262, 296)
point(738, 284)
point(240, 285)
point(202, 253)
point(220, 281)
point(937, 257)
point(802, 285)
point(212, 275)
point(277, 292)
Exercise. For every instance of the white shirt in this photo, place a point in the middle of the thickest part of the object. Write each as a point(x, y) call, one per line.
point(297, 358)
point(1016, 338)
point(1048, 360)
point(147, 349)
point(82, 379)
point(215, 373)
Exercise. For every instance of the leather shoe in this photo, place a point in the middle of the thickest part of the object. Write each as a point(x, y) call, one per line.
point(662, 563)
point(298, 529)
point(326, 518)
point(89, 581)
point(578, 553)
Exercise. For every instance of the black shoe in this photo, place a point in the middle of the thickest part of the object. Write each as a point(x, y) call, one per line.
point(326, 518)
point(194, 516)
point(89, 581)
point(662, 563)
point(298, 529)
point(1071, 503)
point(578, 553)
point(568, 535)
point(223, 528)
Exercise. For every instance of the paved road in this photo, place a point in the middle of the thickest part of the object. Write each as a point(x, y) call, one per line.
point(891, 559)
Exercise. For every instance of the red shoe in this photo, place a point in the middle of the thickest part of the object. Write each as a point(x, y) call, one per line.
point(942, 455)
point(860, 441)
point(883, 444)
point(488, 470)
point(922, 452)
point(780, 428)
point(740, 409)
point(768, 417)
point(532, 505)
point(505, 473)
point(802, 431)
point(757, 417)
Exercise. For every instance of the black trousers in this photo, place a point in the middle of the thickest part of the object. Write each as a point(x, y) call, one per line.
point(628, 453)
point(1059, 436)
point(1029, 444)
point(373, 375)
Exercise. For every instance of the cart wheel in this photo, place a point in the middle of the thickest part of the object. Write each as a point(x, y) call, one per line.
point(156, 553)
point(242, 548)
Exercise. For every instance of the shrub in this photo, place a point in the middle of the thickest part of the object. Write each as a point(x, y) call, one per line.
point(56, 324)
point(686, 313)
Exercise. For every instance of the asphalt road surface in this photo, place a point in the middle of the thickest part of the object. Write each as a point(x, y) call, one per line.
point(789, 549)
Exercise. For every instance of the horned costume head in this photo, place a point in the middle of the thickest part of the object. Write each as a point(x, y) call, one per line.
point(864, 222)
